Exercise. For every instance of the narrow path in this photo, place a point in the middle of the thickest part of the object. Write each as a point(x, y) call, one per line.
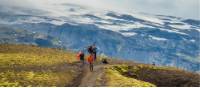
point(91, 79)
point(86, 78)
point(95, 78)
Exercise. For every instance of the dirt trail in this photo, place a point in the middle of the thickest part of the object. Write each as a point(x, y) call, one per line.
point(86, 78)
point(90, 79)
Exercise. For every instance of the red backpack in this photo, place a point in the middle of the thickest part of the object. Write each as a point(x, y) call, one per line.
point(78, 55)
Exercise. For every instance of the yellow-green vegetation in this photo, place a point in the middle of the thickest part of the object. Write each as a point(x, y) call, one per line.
point(160, 76)
point(115, 78)
point(23, 65)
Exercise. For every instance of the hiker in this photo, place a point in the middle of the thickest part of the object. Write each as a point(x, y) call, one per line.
point(94, 50)
point(90, 50)
point(92, 57)
point(104, 61)
point(103, 58)
point(90, 61)
point(81, 57)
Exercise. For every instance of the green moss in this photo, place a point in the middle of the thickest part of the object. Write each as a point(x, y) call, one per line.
point(28, 78)
point(9, 84)
point(23, 65)
point(160, 76)
point(121, 69)
point(114, 78)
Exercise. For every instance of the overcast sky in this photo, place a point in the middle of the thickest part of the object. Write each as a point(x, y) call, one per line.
point(179, 8)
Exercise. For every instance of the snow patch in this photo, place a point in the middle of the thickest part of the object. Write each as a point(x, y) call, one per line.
point(158, 38)
point(137, 25)
point(174, 31)
point(121, 27)
point(192, 40)
point(198, 30)
point(183, 26)
point(128, 34)
point(55, 22)
point(148, 18)
point(83, 20)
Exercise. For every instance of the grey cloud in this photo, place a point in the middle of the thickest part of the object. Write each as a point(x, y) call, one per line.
point(180, 8)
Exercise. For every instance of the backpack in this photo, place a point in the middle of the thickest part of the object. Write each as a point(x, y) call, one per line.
point(90, 49)
point(82, 56)
point(79, 55)
point(104, 61)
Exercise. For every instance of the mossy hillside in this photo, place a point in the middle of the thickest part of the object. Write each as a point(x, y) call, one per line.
point(23, 65)
point(160, 76)
point(114, 78)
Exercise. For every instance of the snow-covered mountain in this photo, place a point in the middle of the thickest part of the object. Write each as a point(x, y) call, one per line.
point(146, 38)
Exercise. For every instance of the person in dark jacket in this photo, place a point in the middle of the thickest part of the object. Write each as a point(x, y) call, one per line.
point(90, 49)
point(94, 50)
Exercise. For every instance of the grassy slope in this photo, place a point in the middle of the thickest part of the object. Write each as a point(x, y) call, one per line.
point(23, 65)
point(159, 76)
point(116, 79)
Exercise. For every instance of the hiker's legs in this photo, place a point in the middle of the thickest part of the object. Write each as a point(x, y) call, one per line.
point(91, 66)
point(83, 62)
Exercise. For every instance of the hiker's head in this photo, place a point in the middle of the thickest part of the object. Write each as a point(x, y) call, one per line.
point(81, 51)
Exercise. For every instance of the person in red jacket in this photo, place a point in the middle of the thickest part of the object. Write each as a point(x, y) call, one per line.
point(90, 60)
point(81, 56)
